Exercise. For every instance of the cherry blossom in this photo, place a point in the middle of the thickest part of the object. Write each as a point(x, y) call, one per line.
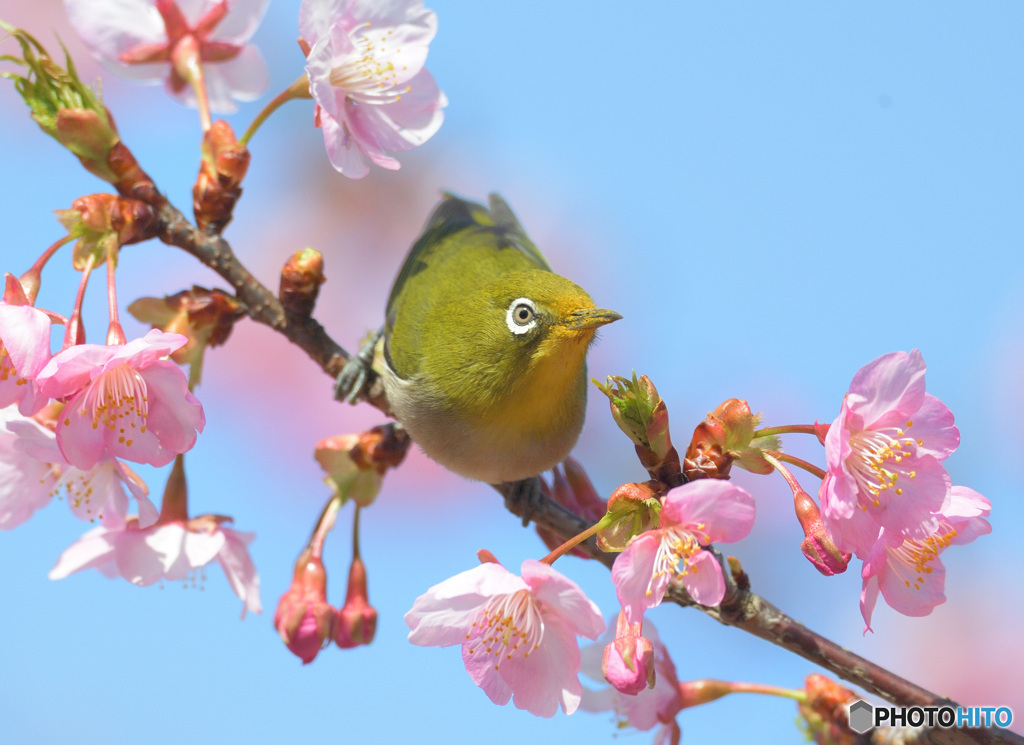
point(24, 349)
point(169, 550)
point(124, 400)
point(884, 454)
point(908, 572)
point(518, 634)
point(152, 40)
point(97, 493)
point(695, 515)
point(649, 707)
point(26, 484)
point(365, 68)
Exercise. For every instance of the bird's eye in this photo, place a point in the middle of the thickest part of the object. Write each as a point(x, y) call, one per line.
point(521, 316)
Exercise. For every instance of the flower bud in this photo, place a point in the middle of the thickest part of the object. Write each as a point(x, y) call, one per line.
point(105, 222)
point(224, 164)
point(628, 661)
point(355, 464)
point(634, 508)
point(817, 546)
point(63, 106)
point(726, 437)
point(301, 278)
point(205, 317)
point(641, 413)
point(304, 619)
point(357, 619)
point(824, 712)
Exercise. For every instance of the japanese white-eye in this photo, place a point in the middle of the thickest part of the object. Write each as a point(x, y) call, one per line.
point(484, 347)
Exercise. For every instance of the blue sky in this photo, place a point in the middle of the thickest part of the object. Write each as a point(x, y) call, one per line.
point(772, 195)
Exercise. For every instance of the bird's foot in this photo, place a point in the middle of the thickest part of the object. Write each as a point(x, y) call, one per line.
point(357, 376)
point(523, 498)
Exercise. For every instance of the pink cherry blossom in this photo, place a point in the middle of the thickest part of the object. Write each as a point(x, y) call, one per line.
point(650, 707)
point(124, 400)
point(24, 349)
point(146, 40)
point(695, 515)
point(908, 572)
point(97, 493)
point(518, 634)
point(26, 484)
point(365, 68)
point(884, 452)
point(169, 550)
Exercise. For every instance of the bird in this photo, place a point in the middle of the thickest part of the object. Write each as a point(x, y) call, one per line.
point(483, 347)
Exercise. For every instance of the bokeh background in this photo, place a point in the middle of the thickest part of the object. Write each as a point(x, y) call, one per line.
point(771, 194)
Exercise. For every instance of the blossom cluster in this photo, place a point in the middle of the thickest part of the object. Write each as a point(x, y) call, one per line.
point(887, 496)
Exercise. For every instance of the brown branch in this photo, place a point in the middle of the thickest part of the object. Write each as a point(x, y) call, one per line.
point(750, 612)
point(741, 608)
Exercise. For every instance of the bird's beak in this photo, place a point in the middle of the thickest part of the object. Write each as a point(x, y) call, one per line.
point(589, 318)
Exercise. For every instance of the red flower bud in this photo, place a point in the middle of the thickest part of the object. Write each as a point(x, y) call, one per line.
point(357, 619)
point(304, 619)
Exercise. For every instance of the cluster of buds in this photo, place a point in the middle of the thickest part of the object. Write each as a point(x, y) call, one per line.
point(571, 488)
point(356, 464)
point(643, 416)
point(724, 438)
point(307, 623)
point(103, 223)
point(824, 712)
point(221, 170)
point(73, 114)
point(205, 317)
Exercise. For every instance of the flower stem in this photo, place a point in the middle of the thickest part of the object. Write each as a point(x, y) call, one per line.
point(31, 279)
point(174, 507)
point(189, 65)
point(324, 526)
point(115, 334)
point(74, 333)
point(570, 544)
point(800, 429)
point(769, 690)
point(355, 533)
point(298, 89)
point(798, 462)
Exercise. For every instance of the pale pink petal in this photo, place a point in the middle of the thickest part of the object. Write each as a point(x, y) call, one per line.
point(91, 550)
point(175, 415)
point(240, 23)
point(244, 78)
point(563, 596)
point(146, 350)
point(632, 573)
point(81, 443)
point(964, 502)
point(444, 614)
point(26, 484)
point(143, 556)
point(71, 370)
point(868, 600)
point(199, 548)
point(913, 594)
point(96, 493)
point(319, 64)
point(855, 534)
point(110, 27)
point(342, 149)
point(704, 581)
point(717, 510)
point(547, 678)
point(933, 428)
point(317, 16)
point(908, 507)
point(603, 699)
point(238, 567)
point(481, 669)
point(892, 385)
point(148, 512)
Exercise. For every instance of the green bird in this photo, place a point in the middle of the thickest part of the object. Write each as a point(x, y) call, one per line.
point(484, 347)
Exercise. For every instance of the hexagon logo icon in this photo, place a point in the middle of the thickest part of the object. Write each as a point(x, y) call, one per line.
point(861, 715)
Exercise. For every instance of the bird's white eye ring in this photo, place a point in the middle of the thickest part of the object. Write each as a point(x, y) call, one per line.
point(521, 315)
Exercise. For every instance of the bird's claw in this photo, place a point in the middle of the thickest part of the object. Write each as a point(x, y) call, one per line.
point(357, 375)
point(523, 498)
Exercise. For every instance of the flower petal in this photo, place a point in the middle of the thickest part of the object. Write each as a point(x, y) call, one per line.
point(891, 385)
point(548, 678)
point(632, 573)
point(238, 567)
point(704, 581)
point(718, 510)
point(91, 550)
point(564, 597)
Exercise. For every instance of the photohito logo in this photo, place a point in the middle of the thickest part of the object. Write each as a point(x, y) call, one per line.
point(863, 716)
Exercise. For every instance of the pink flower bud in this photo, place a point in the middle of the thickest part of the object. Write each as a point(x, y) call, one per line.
point(357, 620)
point(817, 546)
point(628, 661)
point(304, 619)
